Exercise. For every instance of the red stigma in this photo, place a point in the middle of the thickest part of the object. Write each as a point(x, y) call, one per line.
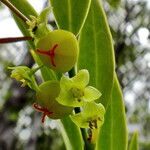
point(45, 111)
point(50, 53)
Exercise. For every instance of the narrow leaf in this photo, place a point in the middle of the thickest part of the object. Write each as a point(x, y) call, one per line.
point(134, 142)
point(24, 7)
point(71, 135)
point(70, 14)
point(113, 135)
point(96, 51)
point(114, 3)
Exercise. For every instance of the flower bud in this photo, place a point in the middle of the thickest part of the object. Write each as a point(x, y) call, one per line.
point(58, 50)
point(48, 91)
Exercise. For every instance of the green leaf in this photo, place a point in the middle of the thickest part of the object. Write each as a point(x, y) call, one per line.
point(71, 135)
point(43, 17)
point(27, 10)
point(24, 7)
point(70, 14)
point(134, 142)
point(113, 134)
point(114, 3)
point(96, 51)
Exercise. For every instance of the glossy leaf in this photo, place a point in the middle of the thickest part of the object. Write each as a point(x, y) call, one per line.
point(113, 135)
point(71, 135)
point(24, 7)
point(114, 3)
point(96, 51)
point(70, 14)
point(134, 142)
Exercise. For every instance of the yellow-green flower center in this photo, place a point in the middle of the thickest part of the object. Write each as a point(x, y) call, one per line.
point(77, 93)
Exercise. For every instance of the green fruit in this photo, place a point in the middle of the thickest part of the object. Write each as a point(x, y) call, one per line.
point(48, 91)
point(58, 50)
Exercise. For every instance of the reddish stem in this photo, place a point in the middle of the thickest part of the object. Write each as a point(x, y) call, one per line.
point(44, 110)
point(50, 53)
point(14, 39)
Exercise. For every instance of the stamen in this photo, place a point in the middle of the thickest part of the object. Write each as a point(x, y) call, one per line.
point(45, 111)
point(93, 124)
point(50, 53)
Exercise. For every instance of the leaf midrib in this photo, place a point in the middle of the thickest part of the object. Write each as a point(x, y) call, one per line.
point(95, 48)
point(69, 15)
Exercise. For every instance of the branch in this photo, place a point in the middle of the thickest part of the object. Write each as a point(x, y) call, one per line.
point(15, 10)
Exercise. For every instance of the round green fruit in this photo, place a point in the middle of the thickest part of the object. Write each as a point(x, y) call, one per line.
point(58, 50)
point(46, 98)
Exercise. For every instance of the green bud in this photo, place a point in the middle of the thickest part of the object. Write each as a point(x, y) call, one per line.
point(38, 26)
point(46, 98)
point(25, 75)
point(58, 50)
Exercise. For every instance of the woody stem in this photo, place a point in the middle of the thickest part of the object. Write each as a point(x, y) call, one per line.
point(15, 10)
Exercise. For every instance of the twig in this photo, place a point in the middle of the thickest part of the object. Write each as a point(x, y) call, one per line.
point(15, 10)
point(14, 39)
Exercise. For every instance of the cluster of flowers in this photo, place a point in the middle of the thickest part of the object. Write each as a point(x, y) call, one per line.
point(58, 50)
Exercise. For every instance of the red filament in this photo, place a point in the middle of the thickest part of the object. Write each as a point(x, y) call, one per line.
point(50, 53)
point(44, 110)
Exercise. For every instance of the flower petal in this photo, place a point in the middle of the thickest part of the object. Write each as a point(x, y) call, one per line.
point(91, 94)
point(81, 79)
point(21, 73)
point(65, 83)
point(66, 98)
point(78, 119)
point(91, 111)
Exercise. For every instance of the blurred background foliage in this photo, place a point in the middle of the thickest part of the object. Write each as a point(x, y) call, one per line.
point(20, 126)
